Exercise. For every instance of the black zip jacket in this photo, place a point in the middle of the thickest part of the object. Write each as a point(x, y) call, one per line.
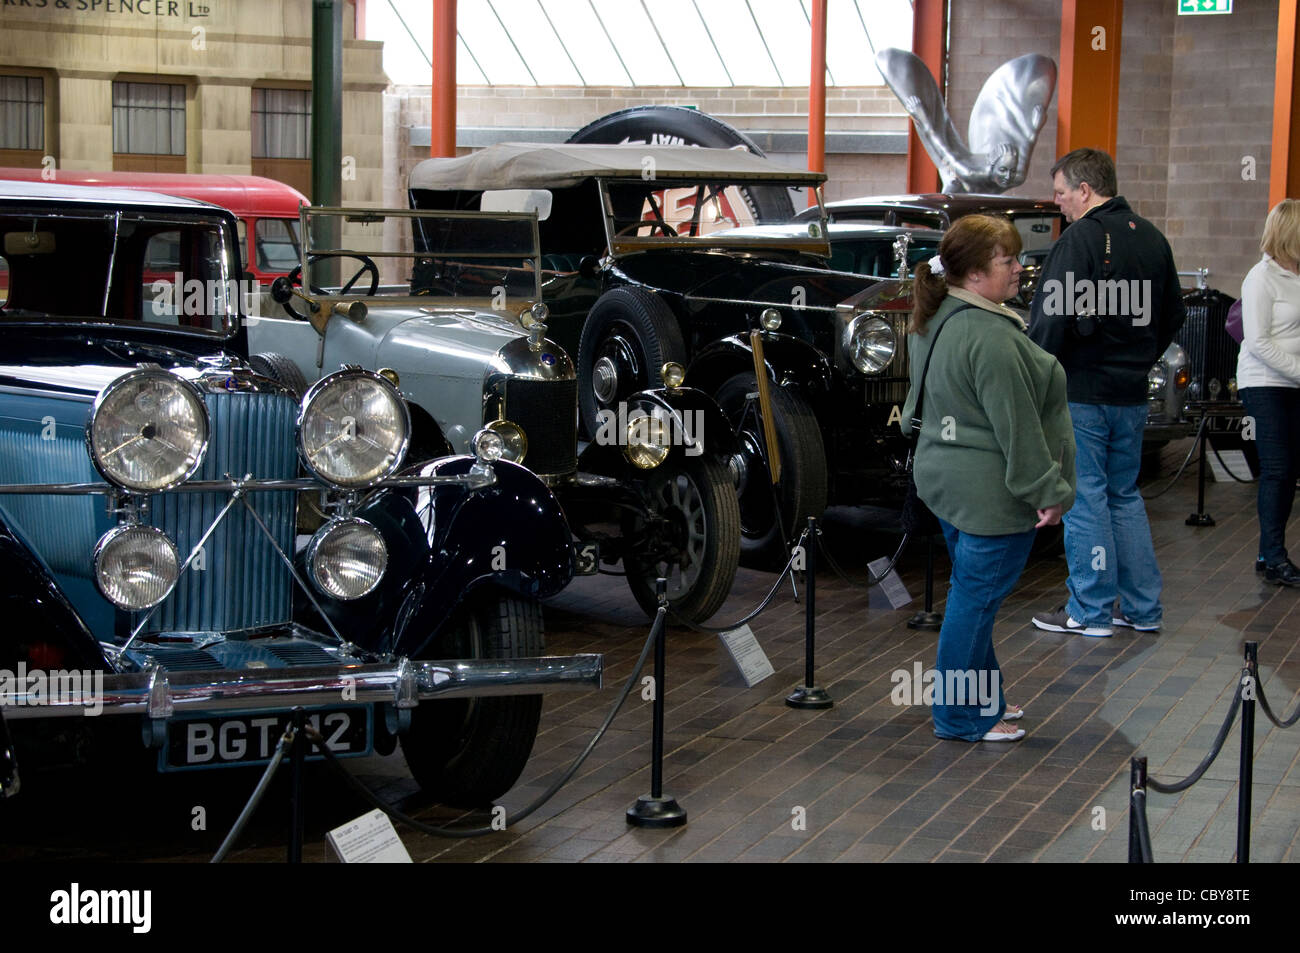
point(1108, 303)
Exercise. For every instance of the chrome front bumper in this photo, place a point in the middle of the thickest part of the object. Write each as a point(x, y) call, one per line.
point(159, 695)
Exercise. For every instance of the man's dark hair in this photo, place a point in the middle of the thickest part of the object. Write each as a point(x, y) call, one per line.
point(1088, 165)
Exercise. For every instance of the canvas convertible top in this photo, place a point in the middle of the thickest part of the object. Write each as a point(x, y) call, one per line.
point(522, 165)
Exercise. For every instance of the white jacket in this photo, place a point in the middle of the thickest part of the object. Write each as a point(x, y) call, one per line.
point(1270, 323)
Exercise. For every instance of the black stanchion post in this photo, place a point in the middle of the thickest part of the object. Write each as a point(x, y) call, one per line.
point(1200, 517)
point(1136, 802)
point(808, 695)
point(297, 819)
point(928, 618)
point(1247, 771)
point(654, 809)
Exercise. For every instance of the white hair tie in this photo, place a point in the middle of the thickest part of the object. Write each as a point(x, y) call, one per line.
point(936, 265)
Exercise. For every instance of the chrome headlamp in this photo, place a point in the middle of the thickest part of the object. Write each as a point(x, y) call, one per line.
point(135, 566)
point(514, 440)
point(148, 430)
point(347, 558)
point(870, 343)
point(354, 429)
point(1157, 377)
point(648, 441)
point(770, 319)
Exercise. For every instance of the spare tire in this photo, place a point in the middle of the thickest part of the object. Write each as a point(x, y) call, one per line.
point(680, 126)
point(282, 370)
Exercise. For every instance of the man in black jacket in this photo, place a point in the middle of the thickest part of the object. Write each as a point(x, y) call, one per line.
point(1107, 305)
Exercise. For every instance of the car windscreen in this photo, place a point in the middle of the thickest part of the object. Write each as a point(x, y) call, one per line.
point(692, 210)
point(876, 257)
point(276, 245)
point(399, 253)
point(134, 267)
point(1038, 230)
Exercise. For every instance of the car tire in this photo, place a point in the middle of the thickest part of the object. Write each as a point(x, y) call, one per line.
point(678, 125)
point(629, 334)
point(467, 752)
point(699, 499)
point(802, 491)
point(282, 370)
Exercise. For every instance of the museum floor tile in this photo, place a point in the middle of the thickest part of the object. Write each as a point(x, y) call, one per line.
point(865, 780)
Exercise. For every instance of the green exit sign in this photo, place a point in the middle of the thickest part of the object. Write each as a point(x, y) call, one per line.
point(1201, 7)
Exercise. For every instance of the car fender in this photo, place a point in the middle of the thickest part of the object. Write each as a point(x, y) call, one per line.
point(790, 362)
point(697, 425)
point(447, 544)
point(34, 604)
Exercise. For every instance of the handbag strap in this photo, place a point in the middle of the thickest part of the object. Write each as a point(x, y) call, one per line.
point(925, 370)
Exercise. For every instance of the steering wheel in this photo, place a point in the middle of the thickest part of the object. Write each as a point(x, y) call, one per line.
point(294, 280)
point(653, 224)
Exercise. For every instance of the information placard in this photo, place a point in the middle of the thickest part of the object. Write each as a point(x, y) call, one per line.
point(369, 839)
point(750, 659)
point(891, 589)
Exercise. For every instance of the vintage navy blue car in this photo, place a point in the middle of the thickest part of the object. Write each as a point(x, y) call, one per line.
point(186, 541)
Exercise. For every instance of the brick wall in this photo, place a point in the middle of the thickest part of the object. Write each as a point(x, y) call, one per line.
point(1196, 98)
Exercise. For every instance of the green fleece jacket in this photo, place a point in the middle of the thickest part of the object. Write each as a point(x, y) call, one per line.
point(996, 442)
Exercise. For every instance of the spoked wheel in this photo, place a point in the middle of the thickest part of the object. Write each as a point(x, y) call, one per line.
point(466, 752)
point(701, 551)
point(802, 490)
point(628, 336)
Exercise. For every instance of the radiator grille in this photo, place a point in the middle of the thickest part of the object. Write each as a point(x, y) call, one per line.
point(548, 412)
point(1211, 353)
point(891, 387)
point(242, 584)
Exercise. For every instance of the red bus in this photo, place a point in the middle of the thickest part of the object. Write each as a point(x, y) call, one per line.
point(266, 209)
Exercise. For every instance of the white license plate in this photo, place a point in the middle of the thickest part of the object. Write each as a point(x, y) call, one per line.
point(252, 738)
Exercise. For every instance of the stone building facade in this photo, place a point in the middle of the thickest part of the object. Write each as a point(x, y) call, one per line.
point(215, 86)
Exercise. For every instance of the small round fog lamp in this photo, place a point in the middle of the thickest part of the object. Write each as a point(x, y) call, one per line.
point(770, 318)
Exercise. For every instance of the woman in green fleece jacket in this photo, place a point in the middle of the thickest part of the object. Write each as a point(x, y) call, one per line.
point(995, 457)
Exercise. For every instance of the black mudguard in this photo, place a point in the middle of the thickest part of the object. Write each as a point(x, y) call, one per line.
point(699, 426)
point(447, 543)
point(790, 362)
point(34, 607)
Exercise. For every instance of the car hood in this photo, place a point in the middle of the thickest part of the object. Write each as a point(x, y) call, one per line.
point(741, 278)
point(458, 336)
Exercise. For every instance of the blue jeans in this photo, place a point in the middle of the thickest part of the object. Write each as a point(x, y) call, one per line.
point(1107, 536)
point(984, 570)
point(1277, 438)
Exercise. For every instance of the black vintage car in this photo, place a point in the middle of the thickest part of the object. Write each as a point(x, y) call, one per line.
point(160, 562)
point(648, 257)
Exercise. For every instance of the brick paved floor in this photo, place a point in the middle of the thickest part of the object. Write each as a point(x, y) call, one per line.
point(865, 780)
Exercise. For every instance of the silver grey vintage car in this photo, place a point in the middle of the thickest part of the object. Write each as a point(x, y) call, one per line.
point(447, 305)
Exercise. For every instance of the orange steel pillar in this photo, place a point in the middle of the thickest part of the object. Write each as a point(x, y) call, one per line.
point(817, 94)
point(929, 28)
point(1284, 174)
point(442, 130)
point(1087, 98)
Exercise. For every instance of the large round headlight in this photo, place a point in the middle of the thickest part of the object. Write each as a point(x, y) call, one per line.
point(148, 430)
point(354, 429)
point(135, 566)
point(514, 440)
point(648, 441)
point(870, 343)
point(1157, 377)
point(347, 558)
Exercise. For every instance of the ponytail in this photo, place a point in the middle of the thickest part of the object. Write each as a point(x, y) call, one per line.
point(928, 292)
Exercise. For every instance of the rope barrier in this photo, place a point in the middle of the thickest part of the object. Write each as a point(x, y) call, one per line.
point(263, 783)
point(1187, 782)
point(1268, 711)
point(767, 600)
point(875, 580)
point(1138, 806)
point(1200, 431)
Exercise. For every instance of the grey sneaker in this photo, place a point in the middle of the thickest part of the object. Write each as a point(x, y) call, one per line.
point(1284, 573)
point(1058, 620)
point(1117, 617)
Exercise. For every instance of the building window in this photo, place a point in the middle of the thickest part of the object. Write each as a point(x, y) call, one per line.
point(281, 123)
point(22, 112)
point(148, 119)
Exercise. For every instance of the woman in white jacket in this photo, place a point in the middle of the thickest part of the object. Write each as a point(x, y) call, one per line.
point(1268, 379)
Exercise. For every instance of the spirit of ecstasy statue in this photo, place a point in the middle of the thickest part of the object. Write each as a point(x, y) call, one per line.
point(1004, 125)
